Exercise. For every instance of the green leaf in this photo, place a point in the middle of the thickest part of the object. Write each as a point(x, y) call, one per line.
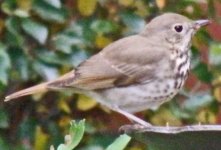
point(103, 26)
point(203, 36)
point(87, 33)
point(202, 72)
point(56, 58)
point(4, 63)
point(55, 3)
point(65, 43)
point(92, 147)
point(49, 12)
point(50, 57)
point(21, 13)
point(211, 8)
point(8, 6)
point(133, 22)
point(26, 128)
point(76, 134)
point(78, 56)
point(55, 134)
point(13, 36)
point(21, 62)
point(179, 112)
point(3, 144)
point(215, 54)
point(197, 101)
point(120, 143)
point(12, 25)
point(72, 38)
point(4, 120)
point(36, 30)
point(48, 72)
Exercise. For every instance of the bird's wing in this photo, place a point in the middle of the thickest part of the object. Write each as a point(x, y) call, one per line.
point(131, 60)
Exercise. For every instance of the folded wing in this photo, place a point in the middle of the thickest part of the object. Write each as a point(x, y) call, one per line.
point(131, 60)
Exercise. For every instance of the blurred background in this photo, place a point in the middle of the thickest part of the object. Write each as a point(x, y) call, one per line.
point(42, 39)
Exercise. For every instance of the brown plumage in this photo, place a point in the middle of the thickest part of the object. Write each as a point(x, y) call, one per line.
point(136, 72)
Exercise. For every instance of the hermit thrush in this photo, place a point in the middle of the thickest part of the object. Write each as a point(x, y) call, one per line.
point(136, 72)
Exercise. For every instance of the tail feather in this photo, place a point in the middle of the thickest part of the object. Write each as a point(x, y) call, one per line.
point(56, 84)
point(32, 90)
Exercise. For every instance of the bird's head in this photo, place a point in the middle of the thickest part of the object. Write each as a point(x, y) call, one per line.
point(173, 28)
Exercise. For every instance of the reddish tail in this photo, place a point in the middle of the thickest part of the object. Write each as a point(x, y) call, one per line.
point(32, 90)
point(44, 87)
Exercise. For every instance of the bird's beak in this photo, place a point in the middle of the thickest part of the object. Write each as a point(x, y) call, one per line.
point(199, 23)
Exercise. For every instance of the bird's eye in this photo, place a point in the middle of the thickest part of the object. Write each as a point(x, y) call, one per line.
point(178, 28)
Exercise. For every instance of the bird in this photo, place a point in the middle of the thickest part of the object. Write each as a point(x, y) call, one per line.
point(134, 73)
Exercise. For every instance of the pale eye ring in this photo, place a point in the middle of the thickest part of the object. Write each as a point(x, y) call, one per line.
point(178, 28)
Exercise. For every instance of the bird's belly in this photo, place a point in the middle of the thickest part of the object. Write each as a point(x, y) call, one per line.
point(138, 97)
point(151, 95)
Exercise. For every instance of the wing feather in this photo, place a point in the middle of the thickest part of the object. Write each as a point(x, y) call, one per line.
point(131, 60)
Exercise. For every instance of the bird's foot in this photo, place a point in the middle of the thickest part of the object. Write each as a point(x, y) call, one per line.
point(132, 117)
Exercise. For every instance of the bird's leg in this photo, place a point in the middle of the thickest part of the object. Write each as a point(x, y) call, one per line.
point(132, 117)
